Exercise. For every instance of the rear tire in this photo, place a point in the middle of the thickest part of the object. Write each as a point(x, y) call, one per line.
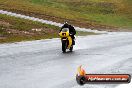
point(71, 48)
point(64, 45)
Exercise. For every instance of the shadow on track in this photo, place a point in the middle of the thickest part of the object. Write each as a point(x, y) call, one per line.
point(69, 52)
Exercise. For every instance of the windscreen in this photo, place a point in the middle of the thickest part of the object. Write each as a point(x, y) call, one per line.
point(65, 29)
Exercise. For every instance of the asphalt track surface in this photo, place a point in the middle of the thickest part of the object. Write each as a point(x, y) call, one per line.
point(41, 64)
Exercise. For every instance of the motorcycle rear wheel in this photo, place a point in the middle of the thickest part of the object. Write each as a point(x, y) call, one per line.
point(71, 48)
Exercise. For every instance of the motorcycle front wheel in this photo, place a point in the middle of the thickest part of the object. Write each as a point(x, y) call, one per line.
point(64, 46)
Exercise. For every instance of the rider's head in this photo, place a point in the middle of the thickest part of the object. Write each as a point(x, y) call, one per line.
point(66, 24)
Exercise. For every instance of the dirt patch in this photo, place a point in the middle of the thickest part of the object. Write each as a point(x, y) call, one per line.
point(14, 35)
point(5, 23)
point(43, 31)
point(8, 34)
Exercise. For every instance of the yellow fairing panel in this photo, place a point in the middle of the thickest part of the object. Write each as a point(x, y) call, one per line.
point(64, 34)
point(70, 42)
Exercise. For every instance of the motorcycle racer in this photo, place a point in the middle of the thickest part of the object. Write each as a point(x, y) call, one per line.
point(72, 31)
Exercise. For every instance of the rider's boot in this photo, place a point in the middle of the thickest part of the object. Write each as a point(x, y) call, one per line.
point(73, 42)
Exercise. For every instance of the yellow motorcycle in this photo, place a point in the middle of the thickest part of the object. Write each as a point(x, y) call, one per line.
point(66, 40)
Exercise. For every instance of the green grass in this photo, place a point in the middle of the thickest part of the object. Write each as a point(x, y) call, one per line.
point(22, 24)
point(12, 38)
point(120, 21)
point(107, 12)
point(19, 24)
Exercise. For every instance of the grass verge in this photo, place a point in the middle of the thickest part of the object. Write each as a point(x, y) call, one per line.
point(14, 29)
point(95, 14)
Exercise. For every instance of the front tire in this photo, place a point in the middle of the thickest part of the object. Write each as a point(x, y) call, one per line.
point(64, 45)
